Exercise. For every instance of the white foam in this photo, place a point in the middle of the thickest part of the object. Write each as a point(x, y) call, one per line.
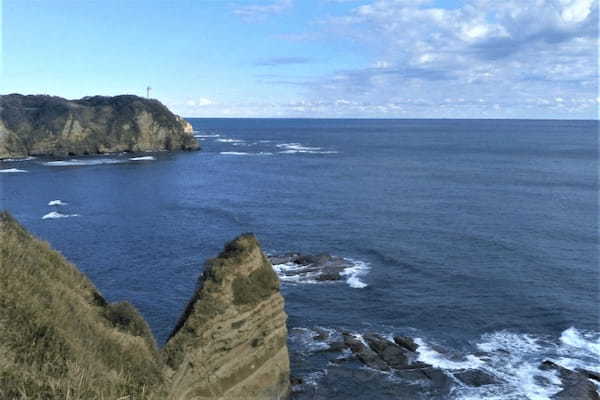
point(207, 136)
point(57, 203)
point(580, 341)
point(283, 269)
point(240, 153)
point(354, 274)
point(18, 159)
point(12, 170)
point(432, 357)
point(295, 148)
point(55, 215)
point(230, 140)
point(79, 163)
point(144, 158)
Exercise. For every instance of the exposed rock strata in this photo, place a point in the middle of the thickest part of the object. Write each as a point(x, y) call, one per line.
point(231, 342)
point(61, 339)
point(46, 125)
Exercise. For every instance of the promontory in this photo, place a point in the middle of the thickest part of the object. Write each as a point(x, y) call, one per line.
point(62, 340)
point(40, 125)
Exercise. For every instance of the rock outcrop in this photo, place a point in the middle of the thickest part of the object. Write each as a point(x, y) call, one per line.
point(46, 125)
point(61, 339)
point(231, 342)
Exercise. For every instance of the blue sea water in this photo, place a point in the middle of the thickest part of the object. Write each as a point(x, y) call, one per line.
point(469, 234)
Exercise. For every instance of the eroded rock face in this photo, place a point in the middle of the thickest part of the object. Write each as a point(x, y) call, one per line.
point(231, 342)
point(62, 339)
point(46, 125)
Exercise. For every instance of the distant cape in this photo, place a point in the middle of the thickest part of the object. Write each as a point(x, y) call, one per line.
point(36, 125)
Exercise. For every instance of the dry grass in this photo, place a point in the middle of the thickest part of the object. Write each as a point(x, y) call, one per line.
point(60, 339)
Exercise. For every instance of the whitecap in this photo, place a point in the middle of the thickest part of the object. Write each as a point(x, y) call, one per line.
point(12, 170)
point(18, 159)
point(57, 203)
point(230, 140)
point(55, 215)
point(575, 339)
point(294, 148)
point(79, 163)
point(430, 356)
point(144, 158)
point(240, 153)
point(355, 272)
point(216, 135)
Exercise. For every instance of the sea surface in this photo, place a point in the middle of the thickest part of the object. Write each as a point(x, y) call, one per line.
point(471, 235)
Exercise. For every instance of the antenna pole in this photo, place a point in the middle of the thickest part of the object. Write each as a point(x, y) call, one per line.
point(148, 91)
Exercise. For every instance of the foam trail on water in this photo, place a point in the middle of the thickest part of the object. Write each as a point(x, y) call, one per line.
point(12, 170)
point(208, 136)
point(56, 215)
point(18, 159)
point(144, 158)
point(230, 140)
point(239, 153)
point(79, 163)
point(57, 203)
point(575, 339)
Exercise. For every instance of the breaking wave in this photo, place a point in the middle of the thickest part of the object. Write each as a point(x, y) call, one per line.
point(57, 203)
point(78, 163)
point(292, 272)
point(240, 153)
point(56, 215)
point(144, 158)
point(18, 159)
point(294, 148)
point(11, 170)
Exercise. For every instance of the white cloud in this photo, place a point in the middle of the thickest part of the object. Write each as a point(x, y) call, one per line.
point(262, 10)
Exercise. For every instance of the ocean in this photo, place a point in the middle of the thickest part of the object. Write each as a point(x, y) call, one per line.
point(474, 236)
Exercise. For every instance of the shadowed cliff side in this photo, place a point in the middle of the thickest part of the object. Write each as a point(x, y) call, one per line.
point(61, 339)
point(47, 125)
point(231, 342)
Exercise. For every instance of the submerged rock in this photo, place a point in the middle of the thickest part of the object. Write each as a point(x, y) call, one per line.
point(47, 125)
point(62, 339)
point(475, 378)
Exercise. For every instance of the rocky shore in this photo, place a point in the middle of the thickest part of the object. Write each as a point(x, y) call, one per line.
point(62, 339)
point(39, 125)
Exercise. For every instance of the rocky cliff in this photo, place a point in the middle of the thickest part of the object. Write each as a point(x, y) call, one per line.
point(61, 339)
point(46, 125)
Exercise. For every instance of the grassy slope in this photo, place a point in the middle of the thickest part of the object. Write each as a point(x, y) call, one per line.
point(59, 337)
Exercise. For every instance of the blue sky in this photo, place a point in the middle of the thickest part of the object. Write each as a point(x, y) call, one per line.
point(312, 58)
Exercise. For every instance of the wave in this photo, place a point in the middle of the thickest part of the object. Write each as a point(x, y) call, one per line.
point(226, 140)
point(57, 203)
point(55, 215)
point(240, 153)
point(18, 159)
point(144, 158)
point(79, 163)
point(216, 135)
point(294, 148)
point(512, 359)
point(11, 170)
point(297, 273)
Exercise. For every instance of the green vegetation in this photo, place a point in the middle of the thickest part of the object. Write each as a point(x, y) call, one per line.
point(59, 337)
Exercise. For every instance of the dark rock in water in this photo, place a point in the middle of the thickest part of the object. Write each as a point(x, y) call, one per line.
point(321, 335)
point(336, 346)
point(434, 376)
point(295, 380)
point(406, 342)
point(590, 374)
point(576, 385)
point(394, 355)
point(475, 378)
point(321, 267)
point(364, 353)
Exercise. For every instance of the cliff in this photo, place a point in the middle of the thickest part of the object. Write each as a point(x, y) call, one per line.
point(46, 125)
point(61, 339)
point(233, 333)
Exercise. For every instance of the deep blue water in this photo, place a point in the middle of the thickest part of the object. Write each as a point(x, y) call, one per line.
point(471, 230)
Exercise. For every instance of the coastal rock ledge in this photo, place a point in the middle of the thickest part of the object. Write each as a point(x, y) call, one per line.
point(61, 339)
point(39, 125)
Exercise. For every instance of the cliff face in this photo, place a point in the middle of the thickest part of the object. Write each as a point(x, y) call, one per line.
point(61, 339)
point(231, 342)
point(45, 125)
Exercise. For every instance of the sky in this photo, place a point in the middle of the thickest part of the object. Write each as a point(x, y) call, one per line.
point(312, 58)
